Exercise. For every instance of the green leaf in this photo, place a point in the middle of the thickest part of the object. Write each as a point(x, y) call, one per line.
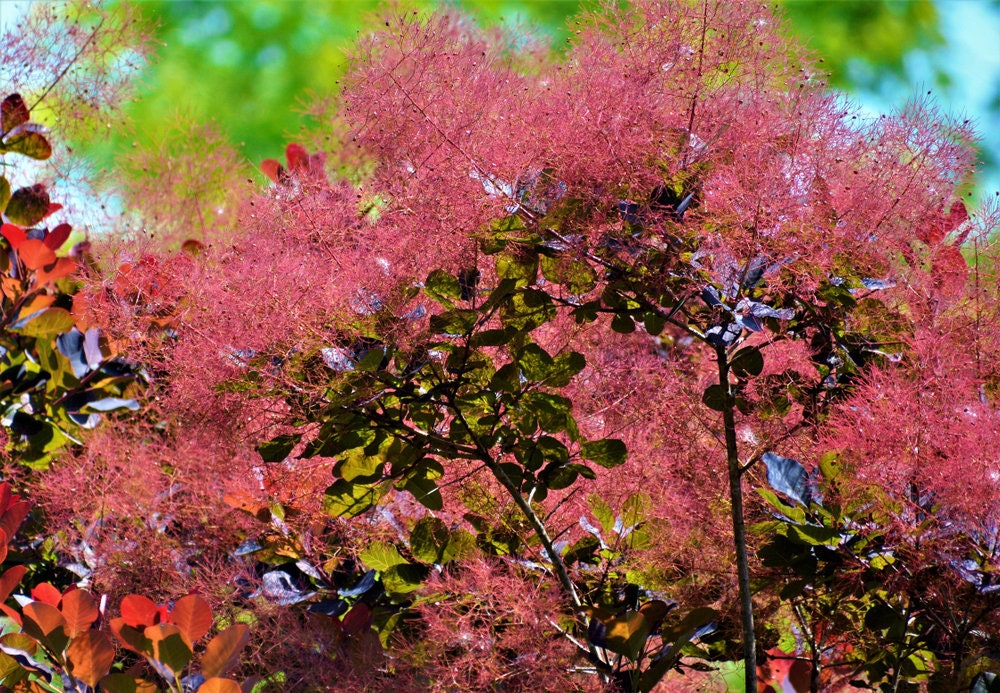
point(28, 206)
point(607, 452)
point(747, 362)
point(461, 544)
point(346, 499)
point(815, 536)
point(523, 270)
point(429, 539)
point(497, 337)
point(534, 361)
point(404, 578)
point(564, 367)
point(279, 448)
point(623, 323)
point(715, 397)
point(584, 551)
point(454, 323)
point(527, 310)
point(425, 492)
point(577, 276)
point(45, 323)
point(357, 466)
point(381, 556)
point(4, 193)
point(654, 322)
point(602, 512)
point(373, 360)
point(556, 476)
point(507, 379)
point(443, 288)
point(30, 143)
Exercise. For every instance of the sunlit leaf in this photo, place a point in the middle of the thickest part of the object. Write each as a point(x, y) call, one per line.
point(80, 610)
point(193, 615)
point(381, 556)
point(168, 646)
point(91, 655)
point(219, 685)
point(138, 611)
point(224, 650)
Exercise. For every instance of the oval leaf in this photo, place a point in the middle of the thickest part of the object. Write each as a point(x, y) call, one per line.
point(607, 452)
point(169, 648)
point(219, 685)
point(13, 112)
point(35, 254)
point(223, 651)
point(57, 236)
point(80, 610)
point(46, 323)
point(30, 143)
point(193, 616)
point(138, 611)
point(91, 655)
point(28, 206)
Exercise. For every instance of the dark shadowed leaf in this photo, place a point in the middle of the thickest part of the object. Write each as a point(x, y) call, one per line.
point(429, 539)
point(607, 452)
point(715, 397)
point(362, 586)
point(13, 112)
point(279, 448)
point(747, 362)
point(28, 206)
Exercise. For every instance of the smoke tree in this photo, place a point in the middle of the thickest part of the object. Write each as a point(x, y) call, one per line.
point(562, 370)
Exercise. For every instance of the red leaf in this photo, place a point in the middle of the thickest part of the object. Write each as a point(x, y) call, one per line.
point(13, 516)
point(45, 616)
point(193, 616)
point(130, 637)
point(224, 649)
point(138, 611)
point(272, 169)
point(35, 254)
point(80, 611)
point(46, 593)
point(10, 579)
point(57, 236)
point(13, 112)
point(14, 234)
point(359, 618)
point(91, 655)
point(11, 614)
point(64, 267)
point(53, 208)
point(298, 157)
point(217, 685)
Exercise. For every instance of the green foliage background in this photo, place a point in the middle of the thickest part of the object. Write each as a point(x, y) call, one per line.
point(252, 66)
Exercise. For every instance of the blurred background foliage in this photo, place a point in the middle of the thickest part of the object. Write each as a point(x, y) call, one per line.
point(251, 66)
